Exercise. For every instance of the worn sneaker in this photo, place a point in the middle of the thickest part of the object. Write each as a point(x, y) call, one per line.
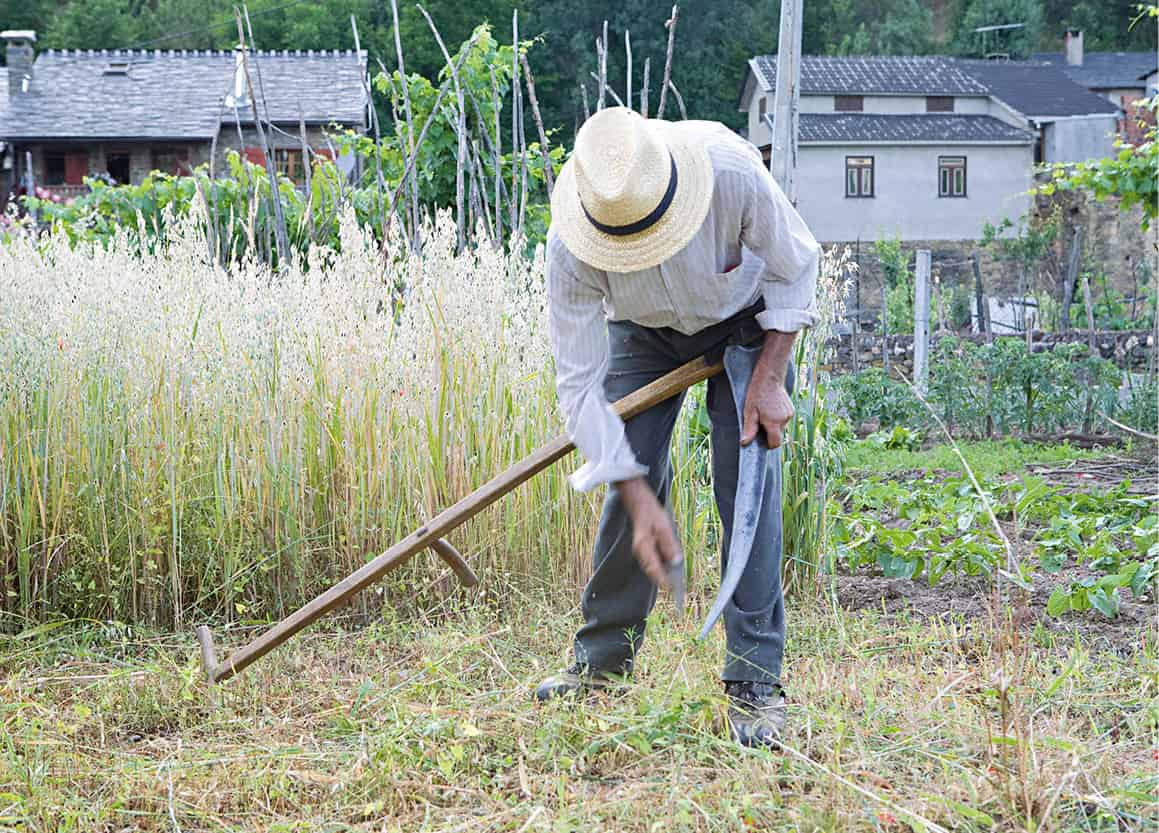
point(756, 713)
point(576, 680)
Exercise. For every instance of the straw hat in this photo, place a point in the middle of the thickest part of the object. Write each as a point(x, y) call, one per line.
point(634, 192)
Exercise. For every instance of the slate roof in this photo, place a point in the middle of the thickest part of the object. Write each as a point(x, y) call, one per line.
point(1037, 89)
point(875, 75)
point(1104, 70)
point(177, 94)
point(3, 87)
point(934, 128)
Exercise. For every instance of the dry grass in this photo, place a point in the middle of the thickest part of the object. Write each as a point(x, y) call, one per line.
point(425, 723)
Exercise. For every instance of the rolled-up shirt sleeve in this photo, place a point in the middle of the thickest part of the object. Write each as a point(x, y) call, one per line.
point(579, 340)
point(773, 230)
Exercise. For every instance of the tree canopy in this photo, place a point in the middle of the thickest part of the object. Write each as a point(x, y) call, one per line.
point(714, 38)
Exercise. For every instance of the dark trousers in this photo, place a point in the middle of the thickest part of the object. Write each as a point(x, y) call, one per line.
point(619, 595)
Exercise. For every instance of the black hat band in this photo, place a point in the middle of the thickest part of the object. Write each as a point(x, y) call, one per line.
point(647, 222)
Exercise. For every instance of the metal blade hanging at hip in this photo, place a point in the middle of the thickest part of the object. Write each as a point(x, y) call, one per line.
point(752, 470)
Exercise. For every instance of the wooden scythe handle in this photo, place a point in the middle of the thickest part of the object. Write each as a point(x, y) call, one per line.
point(429, 535)
point(456, 562)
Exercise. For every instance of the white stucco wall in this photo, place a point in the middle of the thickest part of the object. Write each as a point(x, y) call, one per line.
point(813, 103)
point(978, 105)
point(1004, 112)
point(894, 104)
point(906, 201)
point(1076, 139)
point(759, 133)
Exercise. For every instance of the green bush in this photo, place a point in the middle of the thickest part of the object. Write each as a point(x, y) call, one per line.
point(1000, 383)
point(871, 395)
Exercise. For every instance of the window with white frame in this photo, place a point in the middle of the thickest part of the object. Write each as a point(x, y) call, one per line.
point(951, 176)
point(859, 176)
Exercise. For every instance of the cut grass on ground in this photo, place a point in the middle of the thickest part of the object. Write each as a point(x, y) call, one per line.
point(427, 725)
point(904, 717)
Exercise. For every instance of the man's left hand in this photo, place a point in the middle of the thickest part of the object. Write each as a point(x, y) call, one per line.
point(767, 405)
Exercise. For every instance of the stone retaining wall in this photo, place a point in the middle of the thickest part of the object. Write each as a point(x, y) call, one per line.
point(1130, 349)
point(1114, 247)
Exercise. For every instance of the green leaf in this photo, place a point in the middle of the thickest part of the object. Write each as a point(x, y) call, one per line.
point(1106, 603)
point(1058, 603)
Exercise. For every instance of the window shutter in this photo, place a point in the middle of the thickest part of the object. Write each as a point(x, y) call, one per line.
point(253, 154)
point(76, 167)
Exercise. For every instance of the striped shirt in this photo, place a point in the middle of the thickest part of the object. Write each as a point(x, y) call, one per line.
point(753, 244)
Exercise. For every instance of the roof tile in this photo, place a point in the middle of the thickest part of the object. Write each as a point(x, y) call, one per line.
point(1036, 89)
point(886, 75)
point(175, 95)
point(935, 128)
point(1105, 70)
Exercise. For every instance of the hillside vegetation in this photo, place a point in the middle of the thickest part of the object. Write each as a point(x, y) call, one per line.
point(714, 37)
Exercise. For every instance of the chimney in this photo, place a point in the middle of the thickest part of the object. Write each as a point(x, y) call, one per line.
point(19, 55)
point(1074, 47)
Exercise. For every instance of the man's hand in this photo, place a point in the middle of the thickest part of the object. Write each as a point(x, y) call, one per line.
point(653, 533)
point(767, 404)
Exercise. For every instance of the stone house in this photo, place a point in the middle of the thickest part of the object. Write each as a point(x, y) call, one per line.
point(123, 113)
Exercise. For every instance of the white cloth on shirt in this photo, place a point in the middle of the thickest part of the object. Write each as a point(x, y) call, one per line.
point(753, 244)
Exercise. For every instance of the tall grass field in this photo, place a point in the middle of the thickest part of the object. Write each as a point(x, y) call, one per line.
point(180, 441)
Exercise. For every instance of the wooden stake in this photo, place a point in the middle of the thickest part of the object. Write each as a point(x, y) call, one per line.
point(619, 101)
point(372, 111)
point(1094, 350)
point(1072, 270)
point(922, 320)
point(412, 146)
point(644, 89)
point(460, 130)
point(679, 100)
point(514, 121)
point(271, 172)
point(496, 150)
point(671, 26)
point(602, 49)
point(426, 126)
point(628, 51)
point(548, 173)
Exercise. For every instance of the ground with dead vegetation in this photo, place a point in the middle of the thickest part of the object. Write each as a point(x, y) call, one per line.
point(913, 708)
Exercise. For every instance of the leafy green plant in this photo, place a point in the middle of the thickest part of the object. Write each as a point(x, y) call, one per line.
point(899, 283)
point(1128, 175)
point(871, 395)
point(1112, 309)
point(897, 438)
point(1025, 247)
point(938, 525)
point(910, 528)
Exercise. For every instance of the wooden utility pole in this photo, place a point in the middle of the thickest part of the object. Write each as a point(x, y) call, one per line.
point(922, 320)
point(783, 157)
